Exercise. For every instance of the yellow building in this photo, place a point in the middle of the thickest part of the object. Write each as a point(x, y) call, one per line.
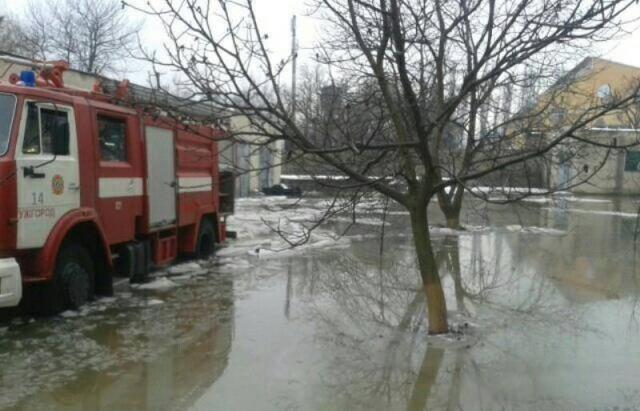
point(591, 85)
point(578, 95)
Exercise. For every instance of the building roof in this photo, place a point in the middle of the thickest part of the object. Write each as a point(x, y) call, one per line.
point(584, 67)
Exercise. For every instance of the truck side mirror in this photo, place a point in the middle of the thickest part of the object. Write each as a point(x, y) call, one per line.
point(61, 140)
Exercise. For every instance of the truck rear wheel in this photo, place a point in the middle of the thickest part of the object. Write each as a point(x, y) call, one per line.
point(206, 246)
point(73, 279)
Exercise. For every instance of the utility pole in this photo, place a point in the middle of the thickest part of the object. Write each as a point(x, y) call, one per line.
point(294, 61)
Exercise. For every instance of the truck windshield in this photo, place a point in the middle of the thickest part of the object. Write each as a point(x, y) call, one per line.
point(7, 108)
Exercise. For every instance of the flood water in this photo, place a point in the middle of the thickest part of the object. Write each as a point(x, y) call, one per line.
point(543, 299)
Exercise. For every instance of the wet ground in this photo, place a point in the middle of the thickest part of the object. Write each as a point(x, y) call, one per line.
point(544, 301)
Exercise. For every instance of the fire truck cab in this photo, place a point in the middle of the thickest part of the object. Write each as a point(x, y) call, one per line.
point(90, 187)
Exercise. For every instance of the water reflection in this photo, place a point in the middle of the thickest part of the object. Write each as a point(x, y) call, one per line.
point(171, 381)
point(523, 302)
point(143, 359)
point(543, 318)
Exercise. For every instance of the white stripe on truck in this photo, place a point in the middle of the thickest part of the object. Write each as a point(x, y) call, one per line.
point(120, 187)
point(195, 184)
point(133, 187)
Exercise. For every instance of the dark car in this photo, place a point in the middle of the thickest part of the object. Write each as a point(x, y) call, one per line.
point(282, 190)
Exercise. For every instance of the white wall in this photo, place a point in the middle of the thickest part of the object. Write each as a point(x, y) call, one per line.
point(611, 178)
point(248, 156)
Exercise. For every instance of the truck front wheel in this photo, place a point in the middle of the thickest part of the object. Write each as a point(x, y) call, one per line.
point(73, 279)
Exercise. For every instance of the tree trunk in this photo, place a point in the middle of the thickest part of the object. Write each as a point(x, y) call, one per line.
point(453, 220)
point(451, 206)
point(436, 304)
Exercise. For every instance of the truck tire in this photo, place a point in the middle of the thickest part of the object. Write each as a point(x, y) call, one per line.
point(73, 280)
point(206, 245)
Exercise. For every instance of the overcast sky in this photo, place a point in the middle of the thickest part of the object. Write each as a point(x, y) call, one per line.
point(275, 19)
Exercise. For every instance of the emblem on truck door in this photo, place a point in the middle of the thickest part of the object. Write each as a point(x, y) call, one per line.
point(57, 184)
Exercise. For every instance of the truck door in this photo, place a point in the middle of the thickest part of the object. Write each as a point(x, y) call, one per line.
point(48, 185)
point(161, 177)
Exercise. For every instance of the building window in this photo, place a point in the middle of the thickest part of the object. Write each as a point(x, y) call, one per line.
point(604, 93)
point(632, 161)
point(113, 142)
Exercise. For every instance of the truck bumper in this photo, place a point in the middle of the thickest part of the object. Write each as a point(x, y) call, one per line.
point(10, 283)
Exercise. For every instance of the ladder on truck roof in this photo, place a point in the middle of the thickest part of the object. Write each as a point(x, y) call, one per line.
point(52, 75)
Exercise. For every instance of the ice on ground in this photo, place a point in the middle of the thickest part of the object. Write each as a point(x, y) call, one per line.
point(235, 264)
point(542, 200)
point(287, 251)
point(183, 277)
point(159, 284)
point(571, 199)
point(262, 199)
point(472, 230)
point(309, 177)
point(153, 302)
point(184, 268)
point(199, 273)
point(595, 212)
point(468, 230)
point(235, 249)
point(551, 199)
point(293, 219)
point(534, 230)
point(588, 200)
point(363, 237)
point(361, 221)
point(397, 213)
point(508, 190)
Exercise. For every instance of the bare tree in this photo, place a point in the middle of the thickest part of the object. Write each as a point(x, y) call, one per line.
point(94, 36)
point(423, 69)
point(9, 35)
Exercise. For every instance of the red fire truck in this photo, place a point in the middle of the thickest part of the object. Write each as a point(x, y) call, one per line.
point(92, 185)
